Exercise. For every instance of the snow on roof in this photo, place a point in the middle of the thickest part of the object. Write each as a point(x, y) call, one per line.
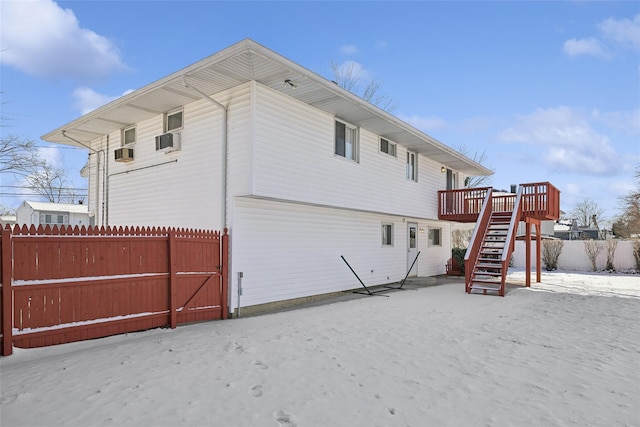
point(58, 207)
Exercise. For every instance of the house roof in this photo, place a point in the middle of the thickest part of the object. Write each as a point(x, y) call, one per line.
point(243, 62)
point(58, 207)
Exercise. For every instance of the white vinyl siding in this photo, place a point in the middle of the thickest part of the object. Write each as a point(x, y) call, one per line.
point(309, 242)
point(293, 159)
point(184, 189)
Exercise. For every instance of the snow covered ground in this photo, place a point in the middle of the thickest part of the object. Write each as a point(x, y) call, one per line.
point(562, 353)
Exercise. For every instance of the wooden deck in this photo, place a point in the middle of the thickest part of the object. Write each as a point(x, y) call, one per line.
point(540, 201)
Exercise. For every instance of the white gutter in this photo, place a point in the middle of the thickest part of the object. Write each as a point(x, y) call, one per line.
point(224, 146)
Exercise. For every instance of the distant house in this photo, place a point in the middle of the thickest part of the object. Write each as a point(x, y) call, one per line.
point(7, 220)
point(44, 213)
point(298, 169)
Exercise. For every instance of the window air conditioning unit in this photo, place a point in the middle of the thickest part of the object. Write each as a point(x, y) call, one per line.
point(123, 154)
point(168, 142)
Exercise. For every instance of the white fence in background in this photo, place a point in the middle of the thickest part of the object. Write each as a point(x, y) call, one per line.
point(573, 256)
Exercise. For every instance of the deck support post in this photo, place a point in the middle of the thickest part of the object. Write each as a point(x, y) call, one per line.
point(528, 252)
point(538, 251)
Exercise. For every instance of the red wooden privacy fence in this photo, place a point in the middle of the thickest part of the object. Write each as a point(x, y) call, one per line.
point(62, 285)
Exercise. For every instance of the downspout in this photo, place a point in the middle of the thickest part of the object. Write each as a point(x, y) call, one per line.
point(97, 153)
point(223, 188)
point(224, 146)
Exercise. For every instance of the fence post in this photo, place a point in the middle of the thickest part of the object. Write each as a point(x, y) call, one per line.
point(224, 241)
point(7, 300)
point(172, 278)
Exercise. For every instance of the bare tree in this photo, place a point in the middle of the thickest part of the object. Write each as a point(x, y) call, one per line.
point(21, 158)
point(627, 224)
point(551, 250)
point(588, 214)
point(593, 248)
point(611, 252)
point(349, 76)
point(478, 157)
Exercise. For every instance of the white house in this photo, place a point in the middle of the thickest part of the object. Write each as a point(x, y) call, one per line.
point(299, 170)
point(45, 213)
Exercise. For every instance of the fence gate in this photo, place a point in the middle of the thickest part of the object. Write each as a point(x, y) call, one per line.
point(61, 285)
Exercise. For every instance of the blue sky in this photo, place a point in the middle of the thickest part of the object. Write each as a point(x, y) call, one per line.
point(549, 90)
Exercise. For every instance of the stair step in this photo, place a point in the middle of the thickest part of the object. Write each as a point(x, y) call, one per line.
point(495, 266)
point(485, 288)
point(487, 273)
point(486, 282)
point(490, 260)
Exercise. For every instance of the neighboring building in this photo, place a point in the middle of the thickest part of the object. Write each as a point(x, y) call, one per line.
point(7, 220)
point(44, 213)
point(298, 169)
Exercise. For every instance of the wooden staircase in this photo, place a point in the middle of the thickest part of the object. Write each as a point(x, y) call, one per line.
point(487, 259)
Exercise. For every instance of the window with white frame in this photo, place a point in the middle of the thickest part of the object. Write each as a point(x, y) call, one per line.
point(412, 166)
point(346, 141)
point(387, 234)
point(387, 147)
point(173, 120)
point(54, 218)
point(435, 236)
point(129, 136)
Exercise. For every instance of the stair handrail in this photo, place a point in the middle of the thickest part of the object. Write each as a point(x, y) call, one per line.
point(509, 243)
point(476, 238)
point(513, 224)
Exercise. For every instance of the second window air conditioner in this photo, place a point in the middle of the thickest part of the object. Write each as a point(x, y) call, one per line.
point(168, 142)
point(123, 154)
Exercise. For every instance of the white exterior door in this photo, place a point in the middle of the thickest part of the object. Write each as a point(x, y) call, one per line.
point(412, 247)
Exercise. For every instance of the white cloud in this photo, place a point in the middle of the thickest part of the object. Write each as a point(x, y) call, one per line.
point(42, 39)
point(625, 32)
point(87, 100)
point(619, 33)
point(626, 121)
point(349, 49)
point(565, 140)
point(590, 46)
point(423, 123)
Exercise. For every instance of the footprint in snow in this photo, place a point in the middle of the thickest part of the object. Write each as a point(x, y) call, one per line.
point(284, 419)
point(256, 390)
point(260, 365)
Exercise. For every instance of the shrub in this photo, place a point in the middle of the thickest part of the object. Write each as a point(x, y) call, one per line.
point(551, 250)
point(611, 251)
point(593, 249)
point(636, 254)
point(458, 255)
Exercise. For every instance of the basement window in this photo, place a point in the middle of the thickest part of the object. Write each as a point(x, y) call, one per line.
point(434, 236)
point(387, 234)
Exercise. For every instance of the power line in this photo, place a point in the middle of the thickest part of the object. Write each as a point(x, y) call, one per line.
point(37, 194)
point(35, 188)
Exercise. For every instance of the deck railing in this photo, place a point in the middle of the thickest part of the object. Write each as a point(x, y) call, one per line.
point(539, 201)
